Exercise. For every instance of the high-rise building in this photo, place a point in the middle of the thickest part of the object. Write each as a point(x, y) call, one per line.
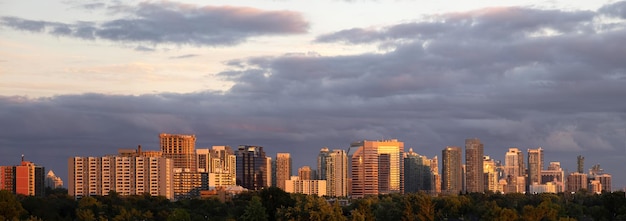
point(252, 167)
point(377, 167)
point(336, 173)
point(321, 163)
point(126, 175)
point(417, 173)
point(576, 181)
point(580, 163)
point(181, 149)
point(535, 166)
point(490, 175)
point(554, 174)
point(26, 178)
point(514, 171)
point(220, 164)
point(270, 176)
point(304, 173)
point(53, 181)
point(283, 169)
point(474, 165)
point(434, 169)
point(452, 171)
point(597, 173)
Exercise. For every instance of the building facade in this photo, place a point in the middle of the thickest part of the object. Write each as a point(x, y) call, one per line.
point(181, 149)
point(535, 166)
point(417, 173)
point(253, 167)
point(452, 170)
point(128, 175)
point(336, 173)
point(514, 171)
point(25, 179)
point(308, 187)
point(377, 168)
point(474, 173)
point(283, 169)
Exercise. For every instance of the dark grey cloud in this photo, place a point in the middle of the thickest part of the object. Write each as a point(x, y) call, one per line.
point(563, 92)
point(486, 24)
point(174, 23)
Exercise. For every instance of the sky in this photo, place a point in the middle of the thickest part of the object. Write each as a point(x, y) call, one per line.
point(85, 78)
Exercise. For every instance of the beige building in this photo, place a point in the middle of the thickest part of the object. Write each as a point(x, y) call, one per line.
point(576, 181)
point(126, 175)
point(377, 168)
point(514, 171)
point(308, 187)
point(220, 163)
point(335, 171)
point(491, 175)
point(283, 169)
point(304, 173)
point(181, 149)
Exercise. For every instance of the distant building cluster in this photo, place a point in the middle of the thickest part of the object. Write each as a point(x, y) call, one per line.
point(369, 167)
point(26, 179)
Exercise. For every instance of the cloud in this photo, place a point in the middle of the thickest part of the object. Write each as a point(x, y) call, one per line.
point(174, 23)
point(184, 56)
point(487, 24)
point(562, 91)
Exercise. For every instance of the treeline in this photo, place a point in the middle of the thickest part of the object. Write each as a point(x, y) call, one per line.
point(275, 204)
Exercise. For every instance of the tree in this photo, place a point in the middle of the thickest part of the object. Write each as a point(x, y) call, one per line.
point(254, 211)
point(274, 198)
point(10, 207)
point(179, 214)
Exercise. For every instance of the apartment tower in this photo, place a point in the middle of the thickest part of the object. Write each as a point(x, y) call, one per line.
point(181, 149)
point(283, 169)
point(452, 170)
point(377, 167)
point(535, 165)
point(474, 166)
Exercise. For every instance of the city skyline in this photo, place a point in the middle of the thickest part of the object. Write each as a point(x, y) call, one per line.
point(87, 78)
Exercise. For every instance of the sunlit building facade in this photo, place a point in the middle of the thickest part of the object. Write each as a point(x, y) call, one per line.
point(181, 149)
point(377, 168)
point(283, 169)
point(26, 179)
point(474, 175)
point(126, 175)
point(452, 170)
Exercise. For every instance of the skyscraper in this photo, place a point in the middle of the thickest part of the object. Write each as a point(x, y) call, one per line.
point(475, 181)
point(576, 181)
point(321, 163)
point(283, 169)
point(452, 171)
point(377, 167)
point(220, 164)
point(580, 163)
point(417, 173)
point(535, 165)
point(181, 149)
point(337, 173)
point(252, 167)
point(514, 171)
point(490, 174)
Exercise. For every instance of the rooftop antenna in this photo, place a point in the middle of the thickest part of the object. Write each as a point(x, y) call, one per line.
point(22, 157)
